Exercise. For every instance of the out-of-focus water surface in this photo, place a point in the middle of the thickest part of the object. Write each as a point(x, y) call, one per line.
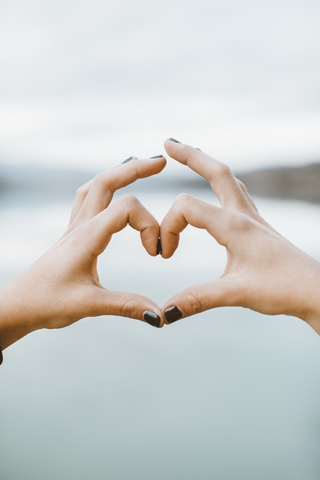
point(228, 394)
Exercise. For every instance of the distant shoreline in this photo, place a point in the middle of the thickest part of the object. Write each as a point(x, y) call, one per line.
point(295, 183)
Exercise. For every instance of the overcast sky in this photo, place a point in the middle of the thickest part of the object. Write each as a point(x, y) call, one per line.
point(89, 83)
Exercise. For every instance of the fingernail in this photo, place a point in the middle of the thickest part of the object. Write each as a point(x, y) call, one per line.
point(128, 160)
point(159, 250)
point(157, 156)
point(172, 314)
point(152, 318)
point(174, 140)
point(198, 149)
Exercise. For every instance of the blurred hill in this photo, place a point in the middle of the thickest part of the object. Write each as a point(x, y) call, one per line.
point(299, 183)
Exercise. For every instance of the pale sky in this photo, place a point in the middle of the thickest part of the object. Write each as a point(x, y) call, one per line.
point(88, 83)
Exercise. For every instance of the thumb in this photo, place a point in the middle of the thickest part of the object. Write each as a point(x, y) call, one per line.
point(199, 298)
point(125, 304)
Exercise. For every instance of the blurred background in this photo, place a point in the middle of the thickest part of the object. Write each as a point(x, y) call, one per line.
point(228, 394)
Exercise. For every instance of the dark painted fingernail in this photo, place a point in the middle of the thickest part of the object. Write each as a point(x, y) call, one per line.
point(159, 250)
point(172, 314)
point(198, 149)
point(157, 156)
point(128, 160)
point(174, 140)
point(152, 318)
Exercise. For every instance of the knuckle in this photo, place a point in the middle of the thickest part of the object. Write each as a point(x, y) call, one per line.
point(102, 180)
point(182, 199)
point(130, 200)
point(82, 191)
point(223, 170)
point(99, 178)
point(192, 299)
point(130, 309)
point(242, 186)
point(239, 221)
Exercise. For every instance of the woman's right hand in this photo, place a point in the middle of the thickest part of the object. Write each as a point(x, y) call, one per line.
point(63, 285)
point(264, 271)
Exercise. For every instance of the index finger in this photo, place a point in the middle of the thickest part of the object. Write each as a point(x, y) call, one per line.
point(97, 194)
point(219, 175)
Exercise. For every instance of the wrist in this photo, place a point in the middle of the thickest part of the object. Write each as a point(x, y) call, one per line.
point(17, 317)
point(314, 321)
point(310, 311)
point(312, 316)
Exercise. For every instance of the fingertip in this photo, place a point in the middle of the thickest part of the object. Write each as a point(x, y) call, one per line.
point(130, 159)
point(169, 244)
point(160, 160)
point(150, 239)
point(152, 319)
point(153, 315)
point(172, 314)
point(155, 156)
point(127, 160)
point(171, 144)
point(179, 151)
point(165, 255)
point(172, 310)
point(169, 240)
point(152, 166)
point(144, 167)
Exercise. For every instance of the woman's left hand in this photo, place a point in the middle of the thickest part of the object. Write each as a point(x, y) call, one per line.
point(264, 271)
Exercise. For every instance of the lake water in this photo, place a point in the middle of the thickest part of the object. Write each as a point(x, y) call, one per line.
point(228, 394)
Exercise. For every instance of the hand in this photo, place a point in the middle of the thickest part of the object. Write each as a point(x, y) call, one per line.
point(63, 285)
point(264, 271)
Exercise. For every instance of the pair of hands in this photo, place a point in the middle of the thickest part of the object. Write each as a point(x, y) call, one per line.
point(264, 271)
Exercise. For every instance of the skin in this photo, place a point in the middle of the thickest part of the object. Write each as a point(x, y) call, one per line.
point(63, 285)
point(264, 271)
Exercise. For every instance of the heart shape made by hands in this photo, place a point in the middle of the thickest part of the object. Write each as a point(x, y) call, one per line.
point(238, 227)
point(63, 286)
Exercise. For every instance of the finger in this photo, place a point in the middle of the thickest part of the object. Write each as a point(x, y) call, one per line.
point(190, 210)
point(246, 193)
point(83, 191)
point(199, 298)
point(219, 175)
point(81, 194)
point(96, 195)
point(255, 213)
point(125, 304)
point(98, 231)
